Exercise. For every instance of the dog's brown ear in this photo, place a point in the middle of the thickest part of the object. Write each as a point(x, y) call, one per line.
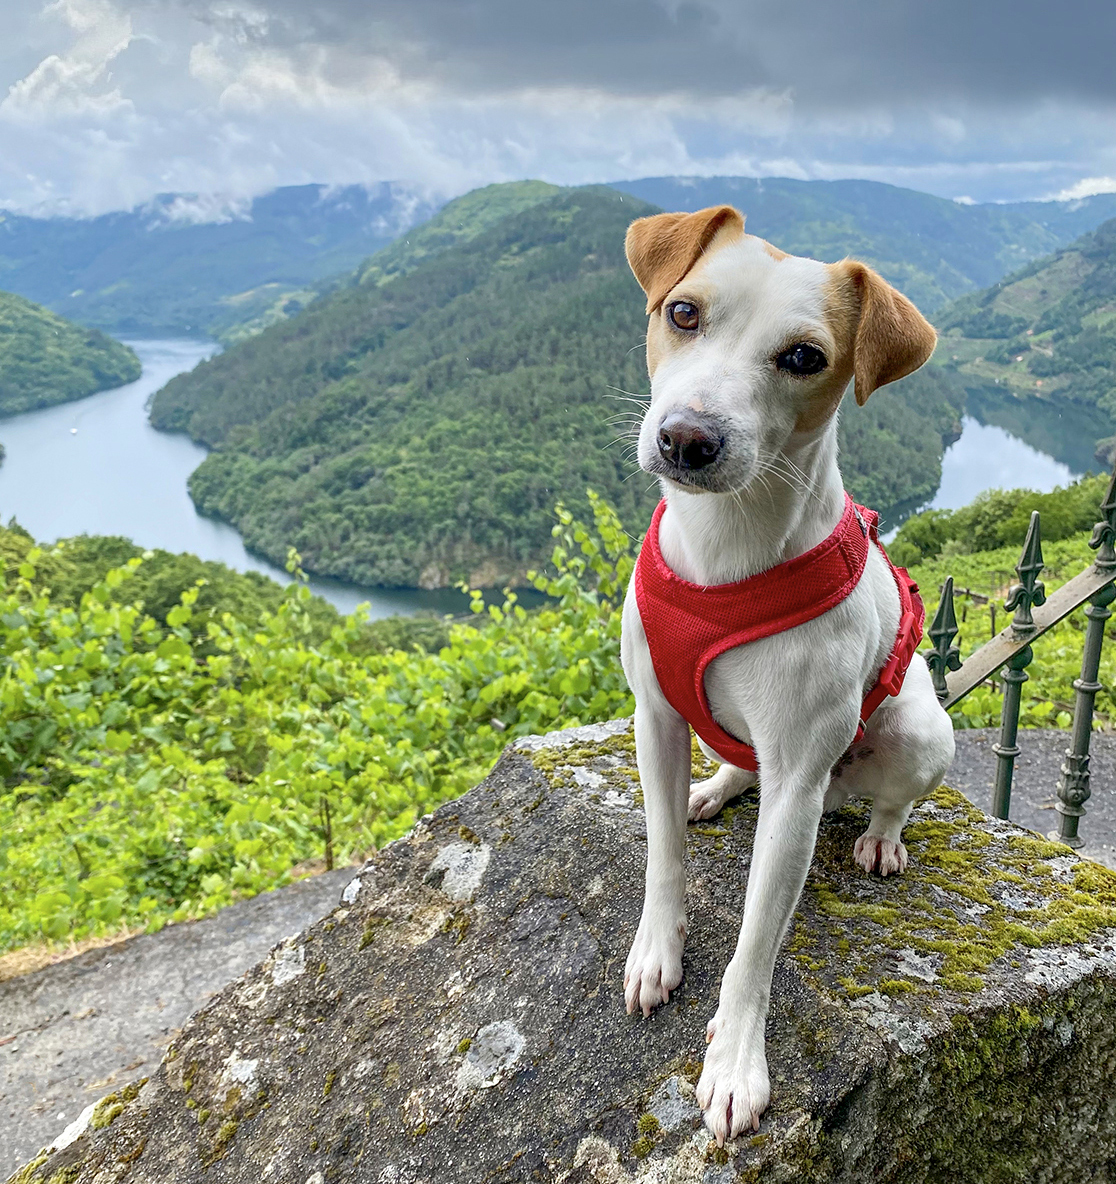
point(662, 249)
point(892, 337)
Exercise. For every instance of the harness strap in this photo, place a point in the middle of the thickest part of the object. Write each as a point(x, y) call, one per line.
point(688, 625)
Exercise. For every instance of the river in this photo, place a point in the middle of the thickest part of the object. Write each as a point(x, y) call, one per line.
point(98, 467)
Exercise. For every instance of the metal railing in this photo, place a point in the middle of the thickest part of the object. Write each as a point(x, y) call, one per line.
point(1010, 651)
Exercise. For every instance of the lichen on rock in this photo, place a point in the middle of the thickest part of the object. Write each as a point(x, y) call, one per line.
point(459, 1016)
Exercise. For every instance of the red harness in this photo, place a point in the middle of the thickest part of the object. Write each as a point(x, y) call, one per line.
point(688, 625)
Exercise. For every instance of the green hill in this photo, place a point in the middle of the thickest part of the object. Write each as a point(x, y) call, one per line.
point(419, 431)
point(45, 359)
point(1044, 338)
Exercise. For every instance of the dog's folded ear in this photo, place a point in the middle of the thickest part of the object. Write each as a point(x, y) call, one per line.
point(662, 249)
point(892, 337)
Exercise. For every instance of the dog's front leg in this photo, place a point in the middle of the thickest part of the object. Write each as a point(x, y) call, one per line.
point(654, 965)
point(734, 1089)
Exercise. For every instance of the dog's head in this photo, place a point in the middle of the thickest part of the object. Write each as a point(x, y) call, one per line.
point(749, 348)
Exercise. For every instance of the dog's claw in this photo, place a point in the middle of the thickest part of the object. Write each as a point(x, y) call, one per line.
point(876, 854)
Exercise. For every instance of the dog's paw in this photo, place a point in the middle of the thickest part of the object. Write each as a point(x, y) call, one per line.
point(654, 965)
point(706, 799)
point(835, 798)
point(875, 854)
point(734, 1089)
point(709, 796)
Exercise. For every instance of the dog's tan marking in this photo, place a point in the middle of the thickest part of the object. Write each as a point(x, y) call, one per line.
point(771, 249)
point(663, 248)
point(892, 337)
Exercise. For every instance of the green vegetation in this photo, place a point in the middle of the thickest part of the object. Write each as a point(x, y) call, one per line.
point(981, 583)
point(46, 360)
point(418, 431)
point(998, 518)
point(1046, 334)
point(75, 566)
point(148, 773)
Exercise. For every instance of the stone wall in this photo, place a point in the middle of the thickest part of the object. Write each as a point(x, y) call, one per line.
point(459, 1016)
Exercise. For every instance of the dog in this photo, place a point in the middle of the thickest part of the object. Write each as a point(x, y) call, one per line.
point(750, 351)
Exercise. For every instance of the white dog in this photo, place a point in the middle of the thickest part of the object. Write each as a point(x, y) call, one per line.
point(750, 351)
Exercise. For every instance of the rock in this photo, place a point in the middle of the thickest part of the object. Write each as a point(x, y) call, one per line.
point(458, 1018)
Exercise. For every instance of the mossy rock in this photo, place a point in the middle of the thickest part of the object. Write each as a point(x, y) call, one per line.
point(954, 1024)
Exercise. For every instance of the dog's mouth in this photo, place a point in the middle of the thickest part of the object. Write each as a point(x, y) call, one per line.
point(707, 480)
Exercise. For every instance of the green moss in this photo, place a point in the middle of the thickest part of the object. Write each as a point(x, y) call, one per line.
point(66, 1175)
point(647, 1124)
point(29, 1174)
point(896, 986)
point(950, 902)
point(643, 1146)
point(465, 1045)
point(108, 1110)
point(203, 1115)
point(327, 1089)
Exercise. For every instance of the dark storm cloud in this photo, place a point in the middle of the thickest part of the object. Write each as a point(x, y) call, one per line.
point(827, 53)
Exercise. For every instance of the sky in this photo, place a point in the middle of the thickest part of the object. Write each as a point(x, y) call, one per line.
point(106, 103)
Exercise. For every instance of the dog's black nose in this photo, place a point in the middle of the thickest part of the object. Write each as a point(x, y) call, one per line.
point(689, 440)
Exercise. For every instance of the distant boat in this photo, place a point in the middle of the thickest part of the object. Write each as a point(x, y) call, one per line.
point(73, 431)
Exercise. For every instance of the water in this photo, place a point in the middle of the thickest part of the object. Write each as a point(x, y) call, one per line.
point(97, 466)
point(988, 457)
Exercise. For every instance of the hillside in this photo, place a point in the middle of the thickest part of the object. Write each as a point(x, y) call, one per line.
point(421, 431)
point(1044, 338)
point(187, 265)
point(45, 359)
point(932, 249)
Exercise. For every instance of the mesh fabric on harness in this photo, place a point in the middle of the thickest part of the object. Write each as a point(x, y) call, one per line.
point(688, 625)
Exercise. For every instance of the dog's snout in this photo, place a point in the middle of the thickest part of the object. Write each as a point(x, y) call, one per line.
point(689, 440)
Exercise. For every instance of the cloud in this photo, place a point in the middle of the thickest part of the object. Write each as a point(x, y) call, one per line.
point(75, 83)
point(113, 101)
point(1086, 187)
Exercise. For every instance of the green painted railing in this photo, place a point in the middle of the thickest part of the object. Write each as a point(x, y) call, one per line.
point(1010, 651)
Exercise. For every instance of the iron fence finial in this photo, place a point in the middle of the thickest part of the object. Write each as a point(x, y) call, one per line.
point(1104, 533)
point(1030, 591)
point(945, 655)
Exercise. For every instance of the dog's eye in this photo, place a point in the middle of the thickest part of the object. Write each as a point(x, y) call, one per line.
point(801, 359)
point(684, 315)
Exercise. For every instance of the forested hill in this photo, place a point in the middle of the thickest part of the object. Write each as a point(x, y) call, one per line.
point(421, 430)
point(1046, 334)
point(45, 359)
point(932, 249)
